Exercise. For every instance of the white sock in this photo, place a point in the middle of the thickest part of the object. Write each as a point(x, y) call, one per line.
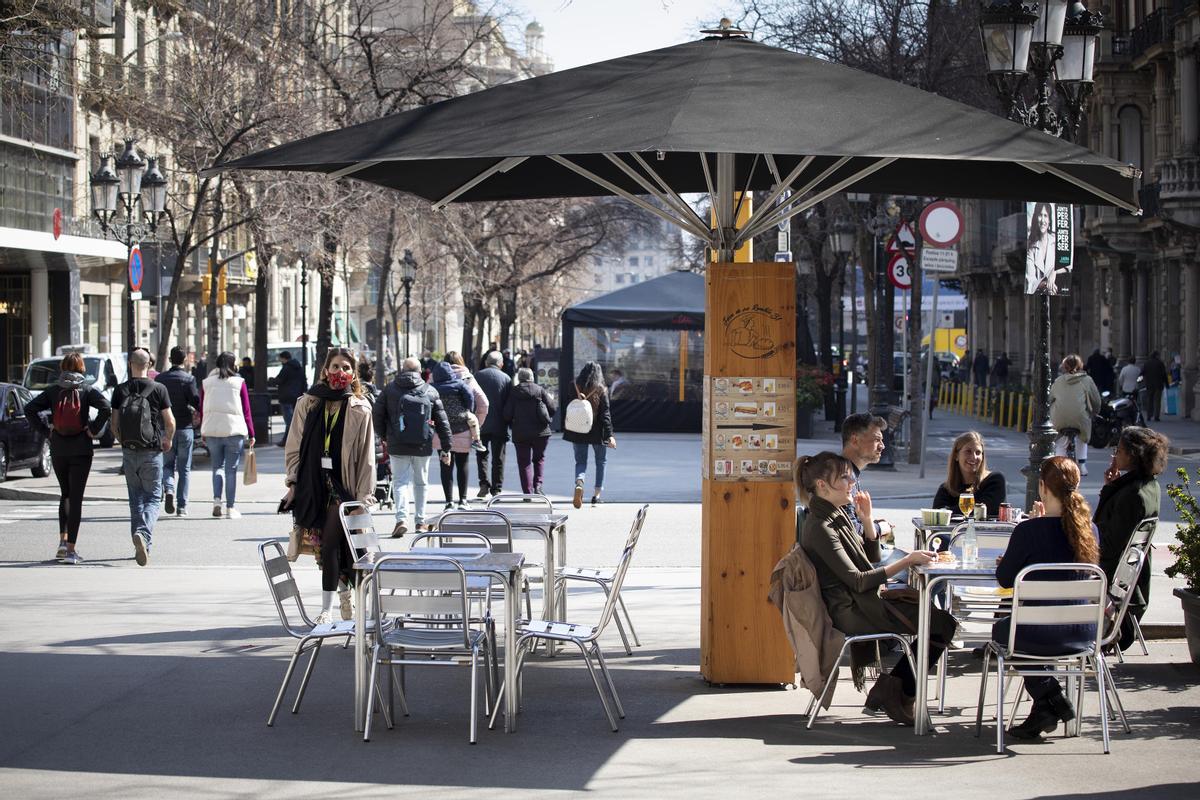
point(327, 599)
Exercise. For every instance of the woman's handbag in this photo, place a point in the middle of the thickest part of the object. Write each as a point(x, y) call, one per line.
point(250, 472)
point(301, 541)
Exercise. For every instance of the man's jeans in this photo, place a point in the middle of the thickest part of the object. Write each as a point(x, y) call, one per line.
point(409, 472)
point(143, 480)
point(179, 458)
point(287, 410)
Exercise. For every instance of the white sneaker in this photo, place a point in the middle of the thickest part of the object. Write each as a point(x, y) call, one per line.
point(464, 505)
point(232, 513)
point(1082, 468)
point(217, 509)
point(325, 618)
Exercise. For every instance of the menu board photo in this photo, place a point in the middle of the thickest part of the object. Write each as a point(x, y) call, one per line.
point(750, 430)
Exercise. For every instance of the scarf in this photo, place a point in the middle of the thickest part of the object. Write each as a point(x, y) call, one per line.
point(312, 489)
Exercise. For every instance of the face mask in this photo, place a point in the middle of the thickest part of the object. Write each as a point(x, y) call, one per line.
point(339, 380)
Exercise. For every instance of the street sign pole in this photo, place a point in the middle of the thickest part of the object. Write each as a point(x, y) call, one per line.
point(929, 358)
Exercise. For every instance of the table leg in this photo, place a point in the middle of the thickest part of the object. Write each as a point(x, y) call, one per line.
point(512, 592)
point(549, 577)
point(561, 541)
point(921, 668)
point(360, 646)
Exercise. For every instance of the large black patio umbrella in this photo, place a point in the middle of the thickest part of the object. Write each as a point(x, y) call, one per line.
point(718, 115)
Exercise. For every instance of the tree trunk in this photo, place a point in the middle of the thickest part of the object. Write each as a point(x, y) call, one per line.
point(384, 284)
point(471, 308)
point(508, 317)
point(215, 270)
point(870, 288)
point(325, 271)
point(265, 256)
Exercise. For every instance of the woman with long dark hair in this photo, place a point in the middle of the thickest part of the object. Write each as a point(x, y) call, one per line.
point(1039, 252)
point(71, 436)
point(1060, 532)
point(226, 427)
point(589, 387)
point(1131, 493)
point(850, 582)
point(330, 459)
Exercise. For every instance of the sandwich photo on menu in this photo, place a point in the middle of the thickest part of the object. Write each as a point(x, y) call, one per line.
point(745, 410)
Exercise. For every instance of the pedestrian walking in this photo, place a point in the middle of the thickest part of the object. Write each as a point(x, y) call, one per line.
point(1154, 377)
point(1074, 400)
point(144, 425)
point(593, 408)
point(1100, 371)
point(185, 403)
point(406, 415)
point(496, 386)
point(366, 376)
point(529, 409)
point(980, 368)
point(246, 372)
point(1127, 378)
point(330, 460)
point(509, 366)
point(226, 428)
point(465, 405)
point(200, 371)
point(1000, 371)
point(69, 404)
point(290, 383)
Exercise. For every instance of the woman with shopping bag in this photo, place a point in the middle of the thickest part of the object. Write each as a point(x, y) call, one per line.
point(226, 428)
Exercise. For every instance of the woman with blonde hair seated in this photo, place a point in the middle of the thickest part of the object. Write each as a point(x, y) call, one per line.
point(968, 470)
point(850, 582)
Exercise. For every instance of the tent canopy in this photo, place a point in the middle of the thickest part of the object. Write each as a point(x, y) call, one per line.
point(660, 123)
point(674, 300)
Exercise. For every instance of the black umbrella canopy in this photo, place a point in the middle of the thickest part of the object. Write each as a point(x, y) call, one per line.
point(655, 122)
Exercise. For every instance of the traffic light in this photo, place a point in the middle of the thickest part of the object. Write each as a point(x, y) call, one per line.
point(205, 289)
point(221, 288)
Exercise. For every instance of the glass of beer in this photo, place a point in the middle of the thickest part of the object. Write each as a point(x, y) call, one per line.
point(966, 501)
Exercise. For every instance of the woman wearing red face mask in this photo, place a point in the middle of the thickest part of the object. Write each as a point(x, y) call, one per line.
point(330, 459)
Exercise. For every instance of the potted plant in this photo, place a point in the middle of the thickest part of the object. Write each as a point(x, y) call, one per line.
point(811, 385)
point(1187, 557)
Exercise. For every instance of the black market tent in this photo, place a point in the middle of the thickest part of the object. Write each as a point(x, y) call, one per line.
point(716, 115)
point(653, 333)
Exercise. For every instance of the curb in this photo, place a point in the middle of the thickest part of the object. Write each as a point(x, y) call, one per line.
point(15, 493)
point(1183, 450)
point(1163, 631)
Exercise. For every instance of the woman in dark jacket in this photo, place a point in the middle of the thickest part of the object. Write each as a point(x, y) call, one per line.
point(1131, 493)
point(968, 469)
point(529, 411)
point(1062, 534)
point(850, 581)
point(589, 386)
point(70, 444)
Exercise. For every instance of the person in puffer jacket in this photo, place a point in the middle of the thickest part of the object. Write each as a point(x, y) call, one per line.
point(226, 427)
point(465, 401)
point(1074, 400)
point(529, 410)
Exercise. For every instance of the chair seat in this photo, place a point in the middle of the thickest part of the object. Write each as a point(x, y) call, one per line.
point(342, 628)
point(430, 638)
point(599, 575)
point(564, 630)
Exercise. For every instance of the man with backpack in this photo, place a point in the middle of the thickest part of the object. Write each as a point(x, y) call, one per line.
point(185, 402)
point(142, 422)
point(406, 415)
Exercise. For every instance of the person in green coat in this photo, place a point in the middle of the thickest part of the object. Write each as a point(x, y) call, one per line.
point(1131, 493)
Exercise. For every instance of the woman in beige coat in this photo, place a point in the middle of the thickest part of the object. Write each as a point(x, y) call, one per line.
point(1074, 400)
point(330, 459)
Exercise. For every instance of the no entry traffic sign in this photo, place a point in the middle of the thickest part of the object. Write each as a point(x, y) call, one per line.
point(900, 272)
point(941, 224)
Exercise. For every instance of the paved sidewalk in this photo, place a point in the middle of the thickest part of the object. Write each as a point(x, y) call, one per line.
point(151, 683)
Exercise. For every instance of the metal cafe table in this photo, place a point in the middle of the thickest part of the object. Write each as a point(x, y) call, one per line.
point(924, 531)
point(926, 579)
point(503, 567)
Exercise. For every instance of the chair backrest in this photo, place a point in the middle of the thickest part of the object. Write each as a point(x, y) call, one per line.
point(1122, 590)
point(428, 590)
point(471, 544)
point(536, 501)
point(989, 536)
point(359, 528)
point(614, 591)
point(1039, 601)
point(1142, 536)
point(278, 571)
point(492, 524)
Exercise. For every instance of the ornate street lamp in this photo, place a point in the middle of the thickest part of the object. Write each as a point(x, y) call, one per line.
point(304, 246)
point(140, 191)
point(1059, 51)
point(408, 275)
point(841, 242)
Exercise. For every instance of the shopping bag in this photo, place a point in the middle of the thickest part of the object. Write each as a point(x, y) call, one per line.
point(250, 473)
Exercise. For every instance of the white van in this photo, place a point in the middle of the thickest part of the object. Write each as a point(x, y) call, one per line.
point(296, 349)
point(105, 371)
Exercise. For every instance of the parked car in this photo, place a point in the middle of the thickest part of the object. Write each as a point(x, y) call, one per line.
point(106, 371)
point(21, 445)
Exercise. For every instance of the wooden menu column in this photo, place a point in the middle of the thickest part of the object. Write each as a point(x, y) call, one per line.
point(749, 448)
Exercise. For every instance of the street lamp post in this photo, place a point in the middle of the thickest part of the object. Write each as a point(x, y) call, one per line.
point(1056, 45)
point(408, 274)
point(841, 242)
point(139, 189)
point(880, 394)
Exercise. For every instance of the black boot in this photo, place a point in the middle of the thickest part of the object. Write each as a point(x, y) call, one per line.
point(1042, 719)
point(1061, 706)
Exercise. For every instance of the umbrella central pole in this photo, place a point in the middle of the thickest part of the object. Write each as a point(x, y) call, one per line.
point(725, 229)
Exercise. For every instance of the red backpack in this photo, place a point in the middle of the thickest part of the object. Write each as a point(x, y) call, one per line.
point(68, 417)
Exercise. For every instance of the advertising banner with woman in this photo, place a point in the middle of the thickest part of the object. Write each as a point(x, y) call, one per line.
point(1049, 248)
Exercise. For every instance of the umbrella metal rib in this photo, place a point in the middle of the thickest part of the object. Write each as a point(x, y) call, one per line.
point(504, 165)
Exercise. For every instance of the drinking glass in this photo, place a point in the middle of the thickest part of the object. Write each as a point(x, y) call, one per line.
point(966, 502)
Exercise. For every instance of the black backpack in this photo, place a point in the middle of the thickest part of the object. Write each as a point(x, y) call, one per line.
point(456, 411)
point(137, 420)
point(411, 425)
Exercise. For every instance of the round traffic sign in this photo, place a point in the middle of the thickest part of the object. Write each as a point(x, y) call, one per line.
point(941, 224)
point(900, 272)
point(136, 273)
point(960, 342)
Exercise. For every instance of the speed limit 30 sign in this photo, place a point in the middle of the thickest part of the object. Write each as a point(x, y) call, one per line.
point(900, 272)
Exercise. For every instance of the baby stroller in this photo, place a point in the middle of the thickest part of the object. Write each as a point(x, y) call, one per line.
point(383, 475)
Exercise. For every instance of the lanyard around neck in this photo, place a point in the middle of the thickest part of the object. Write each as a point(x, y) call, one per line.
point(330, 422)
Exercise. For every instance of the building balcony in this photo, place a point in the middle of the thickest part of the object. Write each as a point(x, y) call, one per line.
point(1156, 29)
point(1180, 179)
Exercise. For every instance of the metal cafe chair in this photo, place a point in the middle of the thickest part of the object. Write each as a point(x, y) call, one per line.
point(1141, 539)
point(604, 579)
point(585, 637)
point(491, 524)
point(427, 596)
point(278, 571)
point(1051, 602)
point(513, 498)
point(817, 703)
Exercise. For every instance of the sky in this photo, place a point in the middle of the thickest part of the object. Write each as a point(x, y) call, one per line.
point(585, 31)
